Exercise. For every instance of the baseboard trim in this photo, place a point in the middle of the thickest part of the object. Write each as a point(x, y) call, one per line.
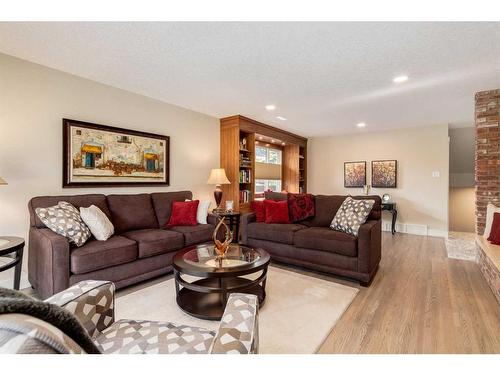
point(415, 229)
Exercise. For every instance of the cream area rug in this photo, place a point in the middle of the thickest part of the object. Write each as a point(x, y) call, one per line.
point(298, 314)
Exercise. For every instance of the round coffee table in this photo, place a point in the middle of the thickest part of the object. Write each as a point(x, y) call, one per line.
point(206, 296)
point(12, 247)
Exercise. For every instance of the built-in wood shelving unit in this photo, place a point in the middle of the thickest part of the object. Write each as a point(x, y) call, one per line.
point(237, 157)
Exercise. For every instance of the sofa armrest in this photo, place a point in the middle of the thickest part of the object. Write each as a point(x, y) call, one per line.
point(244, 221)
point(92, 302)
point(48, 261)
point(369, 246)
point(238, 331)
point(212, 218)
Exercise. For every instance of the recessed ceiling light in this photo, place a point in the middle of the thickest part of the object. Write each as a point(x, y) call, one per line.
point(281, 118)
point(361, 125)
point(283, 144)
point(400, 79)
point(260, 138)
point(272, 140)
point(270, 107)
point(267, 145)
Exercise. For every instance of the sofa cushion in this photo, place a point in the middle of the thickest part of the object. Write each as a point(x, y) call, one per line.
point(162, 203)
point(95, 255)
point(64, 219)
point(326, 206)
point(195, 234)
point(325, 239)
point(258, 209)
point(276, 212)
point(300, 206)
point(184, 214)
point(78, 201)
point(273, 232)
point(155, 241)
point(132, 211)
point(351, 215)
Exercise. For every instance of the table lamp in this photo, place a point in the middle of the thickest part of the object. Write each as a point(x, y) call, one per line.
point(218, 177)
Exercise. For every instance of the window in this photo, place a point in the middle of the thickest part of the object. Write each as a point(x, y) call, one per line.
point(260, 154)
point(267, 155)
point(262, 186)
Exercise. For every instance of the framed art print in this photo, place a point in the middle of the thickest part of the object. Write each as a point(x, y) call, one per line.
point(101, 155)
point(384, 173)
point(354, 174)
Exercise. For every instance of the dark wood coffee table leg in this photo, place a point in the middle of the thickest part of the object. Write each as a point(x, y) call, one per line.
point(19, 265)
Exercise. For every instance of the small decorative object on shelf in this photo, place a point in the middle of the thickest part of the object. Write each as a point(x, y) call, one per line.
point(221, 247)
point(229, 206)
point(243, 144)
point(386, 198)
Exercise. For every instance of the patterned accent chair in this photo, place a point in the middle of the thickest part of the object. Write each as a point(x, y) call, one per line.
point(92, 303)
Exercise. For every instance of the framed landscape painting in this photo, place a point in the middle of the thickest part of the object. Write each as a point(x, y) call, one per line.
point(354, 174)
point(384, 173)
point(100, 155)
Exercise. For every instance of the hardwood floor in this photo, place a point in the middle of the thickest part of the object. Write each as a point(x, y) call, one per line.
point(420, 302)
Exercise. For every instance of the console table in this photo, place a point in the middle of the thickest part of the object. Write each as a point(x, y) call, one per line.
point(391, 207)
point(12, 247)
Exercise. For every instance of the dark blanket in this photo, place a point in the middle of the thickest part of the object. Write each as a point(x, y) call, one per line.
point(14, 302)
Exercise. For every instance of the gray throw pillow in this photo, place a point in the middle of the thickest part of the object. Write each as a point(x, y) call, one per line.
point(64, 219)
point(351, 215)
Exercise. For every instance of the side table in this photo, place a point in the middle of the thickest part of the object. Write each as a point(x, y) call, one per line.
point(391, 207)
point(12, 247)
point(232, 218)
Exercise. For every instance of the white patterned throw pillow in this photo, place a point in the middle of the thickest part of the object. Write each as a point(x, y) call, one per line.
point(97, 221)
point(64, 219)
point(202, 212)
point(351, 215)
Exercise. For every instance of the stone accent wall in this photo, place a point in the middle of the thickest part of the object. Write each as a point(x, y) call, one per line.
point(487, 118)
point(490, 272)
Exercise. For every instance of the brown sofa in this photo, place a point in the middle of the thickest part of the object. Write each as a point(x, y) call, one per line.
point(312, 244)
point(140, 248)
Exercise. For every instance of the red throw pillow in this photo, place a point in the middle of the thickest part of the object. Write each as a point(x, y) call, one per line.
point(276, 212)
point(183, 214)
point(494, 237)
point(301, 206)
point(260, 213)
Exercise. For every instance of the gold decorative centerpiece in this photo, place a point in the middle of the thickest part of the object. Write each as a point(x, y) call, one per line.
point(222, 247)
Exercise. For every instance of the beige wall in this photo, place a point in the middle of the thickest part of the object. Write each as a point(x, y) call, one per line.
point(422, 200)
point(34, 99)
point(462, 145)
point(462, 209)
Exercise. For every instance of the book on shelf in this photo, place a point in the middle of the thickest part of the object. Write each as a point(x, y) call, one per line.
point(245, 196)
point(245, 161)
point(246, 176)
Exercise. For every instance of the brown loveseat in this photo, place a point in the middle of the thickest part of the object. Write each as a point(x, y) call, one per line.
point(140, 248)
point(312, 244)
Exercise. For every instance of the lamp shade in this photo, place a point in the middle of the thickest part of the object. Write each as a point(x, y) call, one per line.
point(218, 177)
point(2, 181)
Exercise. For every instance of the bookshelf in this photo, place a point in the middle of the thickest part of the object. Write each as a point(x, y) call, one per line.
point(237, 157)
point(303, 169)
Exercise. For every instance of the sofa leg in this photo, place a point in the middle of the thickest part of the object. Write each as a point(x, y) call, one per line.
point(366, 284)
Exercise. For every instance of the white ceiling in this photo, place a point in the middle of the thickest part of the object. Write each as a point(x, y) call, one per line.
point(323, 77)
